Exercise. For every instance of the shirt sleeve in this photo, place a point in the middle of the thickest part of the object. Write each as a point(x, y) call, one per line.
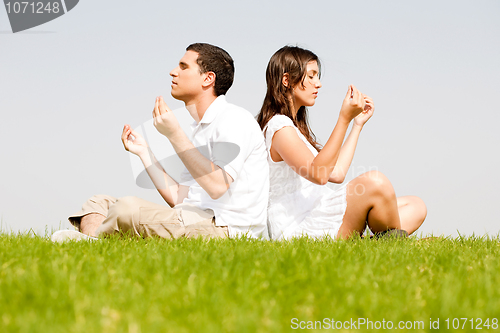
point(275, 124)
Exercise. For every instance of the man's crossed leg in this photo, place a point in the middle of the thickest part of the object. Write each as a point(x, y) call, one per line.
point(106, 215)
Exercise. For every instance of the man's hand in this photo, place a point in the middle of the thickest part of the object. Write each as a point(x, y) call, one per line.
point(366, 114)
point(353, 104)
point(164, 119)
point(133, 141)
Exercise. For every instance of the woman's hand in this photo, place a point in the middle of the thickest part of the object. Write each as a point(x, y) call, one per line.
point(367, 113)
point(133, 141)
point(354, 104)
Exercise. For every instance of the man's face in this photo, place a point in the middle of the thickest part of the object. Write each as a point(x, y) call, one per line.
point(186, 78)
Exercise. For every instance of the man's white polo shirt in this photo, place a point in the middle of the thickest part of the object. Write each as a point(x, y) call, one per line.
point(243, 208)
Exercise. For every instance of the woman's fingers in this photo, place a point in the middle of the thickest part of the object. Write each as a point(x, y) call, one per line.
point(369, 102)
point(355, 93)
point(348, 95)
point(357, 97)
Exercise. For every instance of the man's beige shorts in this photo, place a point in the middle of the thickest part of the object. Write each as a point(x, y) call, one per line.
point(146, 219)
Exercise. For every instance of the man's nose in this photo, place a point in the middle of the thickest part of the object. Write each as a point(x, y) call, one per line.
point(173, 72)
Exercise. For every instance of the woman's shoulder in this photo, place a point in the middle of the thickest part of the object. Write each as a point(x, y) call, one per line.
point(278, 121)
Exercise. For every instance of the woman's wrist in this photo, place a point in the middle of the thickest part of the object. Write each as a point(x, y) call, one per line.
point(357, 127)
point(343, 120)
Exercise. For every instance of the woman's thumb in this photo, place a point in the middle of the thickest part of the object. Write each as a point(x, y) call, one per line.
point(348, 95)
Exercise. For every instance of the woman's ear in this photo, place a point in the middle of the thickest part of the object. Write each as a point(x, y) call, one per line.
point(284, 80)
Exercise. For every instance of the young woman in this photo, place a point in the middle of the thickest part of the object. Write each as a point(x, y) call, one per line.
point(299, 202)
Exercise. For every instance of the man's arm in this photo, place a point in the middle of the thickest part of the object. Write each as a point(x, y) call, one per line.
point(171, 191)
point(168, 188)
point(209, 176)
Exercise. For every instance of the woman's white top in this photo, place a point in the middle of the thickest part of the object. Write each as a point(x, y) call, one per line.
point(297, 206)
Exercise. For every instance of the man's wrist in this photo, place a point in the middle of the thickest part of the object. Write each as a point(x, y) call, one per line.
point(178, 139)
point(145, 156)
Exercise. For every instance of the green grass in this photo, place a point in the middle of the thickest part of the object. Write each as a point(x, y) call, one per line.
point(154, 285)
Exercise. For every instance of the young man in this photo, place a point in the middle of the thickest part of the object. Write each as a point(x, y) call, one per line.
point(217, 196)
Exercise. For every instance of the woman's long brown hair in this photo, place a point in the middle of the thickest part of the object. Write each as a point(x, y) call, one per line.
point(290, 60)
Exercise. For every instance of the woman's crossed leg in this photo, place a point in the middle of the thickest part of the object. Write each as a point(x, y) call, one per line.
point(371, 201)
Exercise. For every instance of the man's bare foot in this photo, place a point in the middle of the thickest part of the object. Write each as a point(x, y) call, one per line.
point(90, 223)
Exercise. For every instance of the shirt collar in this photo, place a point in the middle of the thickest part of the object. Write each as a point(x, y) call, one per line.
point(211, 112)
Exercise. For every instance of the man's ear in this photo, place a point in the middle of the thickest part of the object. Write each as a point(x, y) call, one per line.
point(284, 80)
point(209, 79)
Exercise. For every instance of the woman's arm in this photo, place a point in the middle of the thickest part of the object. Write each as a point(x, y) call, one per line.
point(349, 147)
point(345, 157)
point(287, 145)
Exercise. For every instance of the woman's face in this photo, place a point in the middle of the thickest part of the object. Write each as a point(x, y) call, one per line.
point(305, 93)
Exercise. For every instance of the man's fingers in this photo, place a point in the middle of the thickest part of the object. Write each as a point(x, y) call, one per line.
point(161, 105)
point(156, 112)
point(124, 130)
point(135, 134)
point(125, 135)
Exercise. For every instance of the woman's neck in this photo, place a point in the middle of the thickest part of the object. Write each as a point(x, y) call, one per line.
point(295, 109)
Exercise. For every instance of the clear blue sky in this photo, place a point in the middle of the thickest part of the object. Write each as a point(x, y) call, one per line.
point(432, 67)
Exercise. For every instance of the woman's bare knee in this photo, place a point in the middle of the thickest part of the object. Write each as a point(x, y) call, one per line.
point(421, 207)
point(376, 184)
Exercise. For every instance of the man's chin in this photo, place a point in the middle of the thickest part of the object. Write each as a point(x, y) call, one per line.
point(179, 97)
point(174, 95)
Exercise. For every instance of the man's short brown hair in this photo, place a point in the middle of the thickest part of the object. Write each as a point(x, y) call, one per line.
point(214, 59)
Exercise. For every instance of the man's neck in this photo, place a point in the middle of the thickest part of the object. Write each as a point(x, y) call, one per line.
point(197, 107)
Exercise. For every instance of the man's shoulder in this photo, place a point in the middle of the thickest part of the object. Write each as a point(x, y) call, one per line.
point(237, 117)
point(235, 111)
